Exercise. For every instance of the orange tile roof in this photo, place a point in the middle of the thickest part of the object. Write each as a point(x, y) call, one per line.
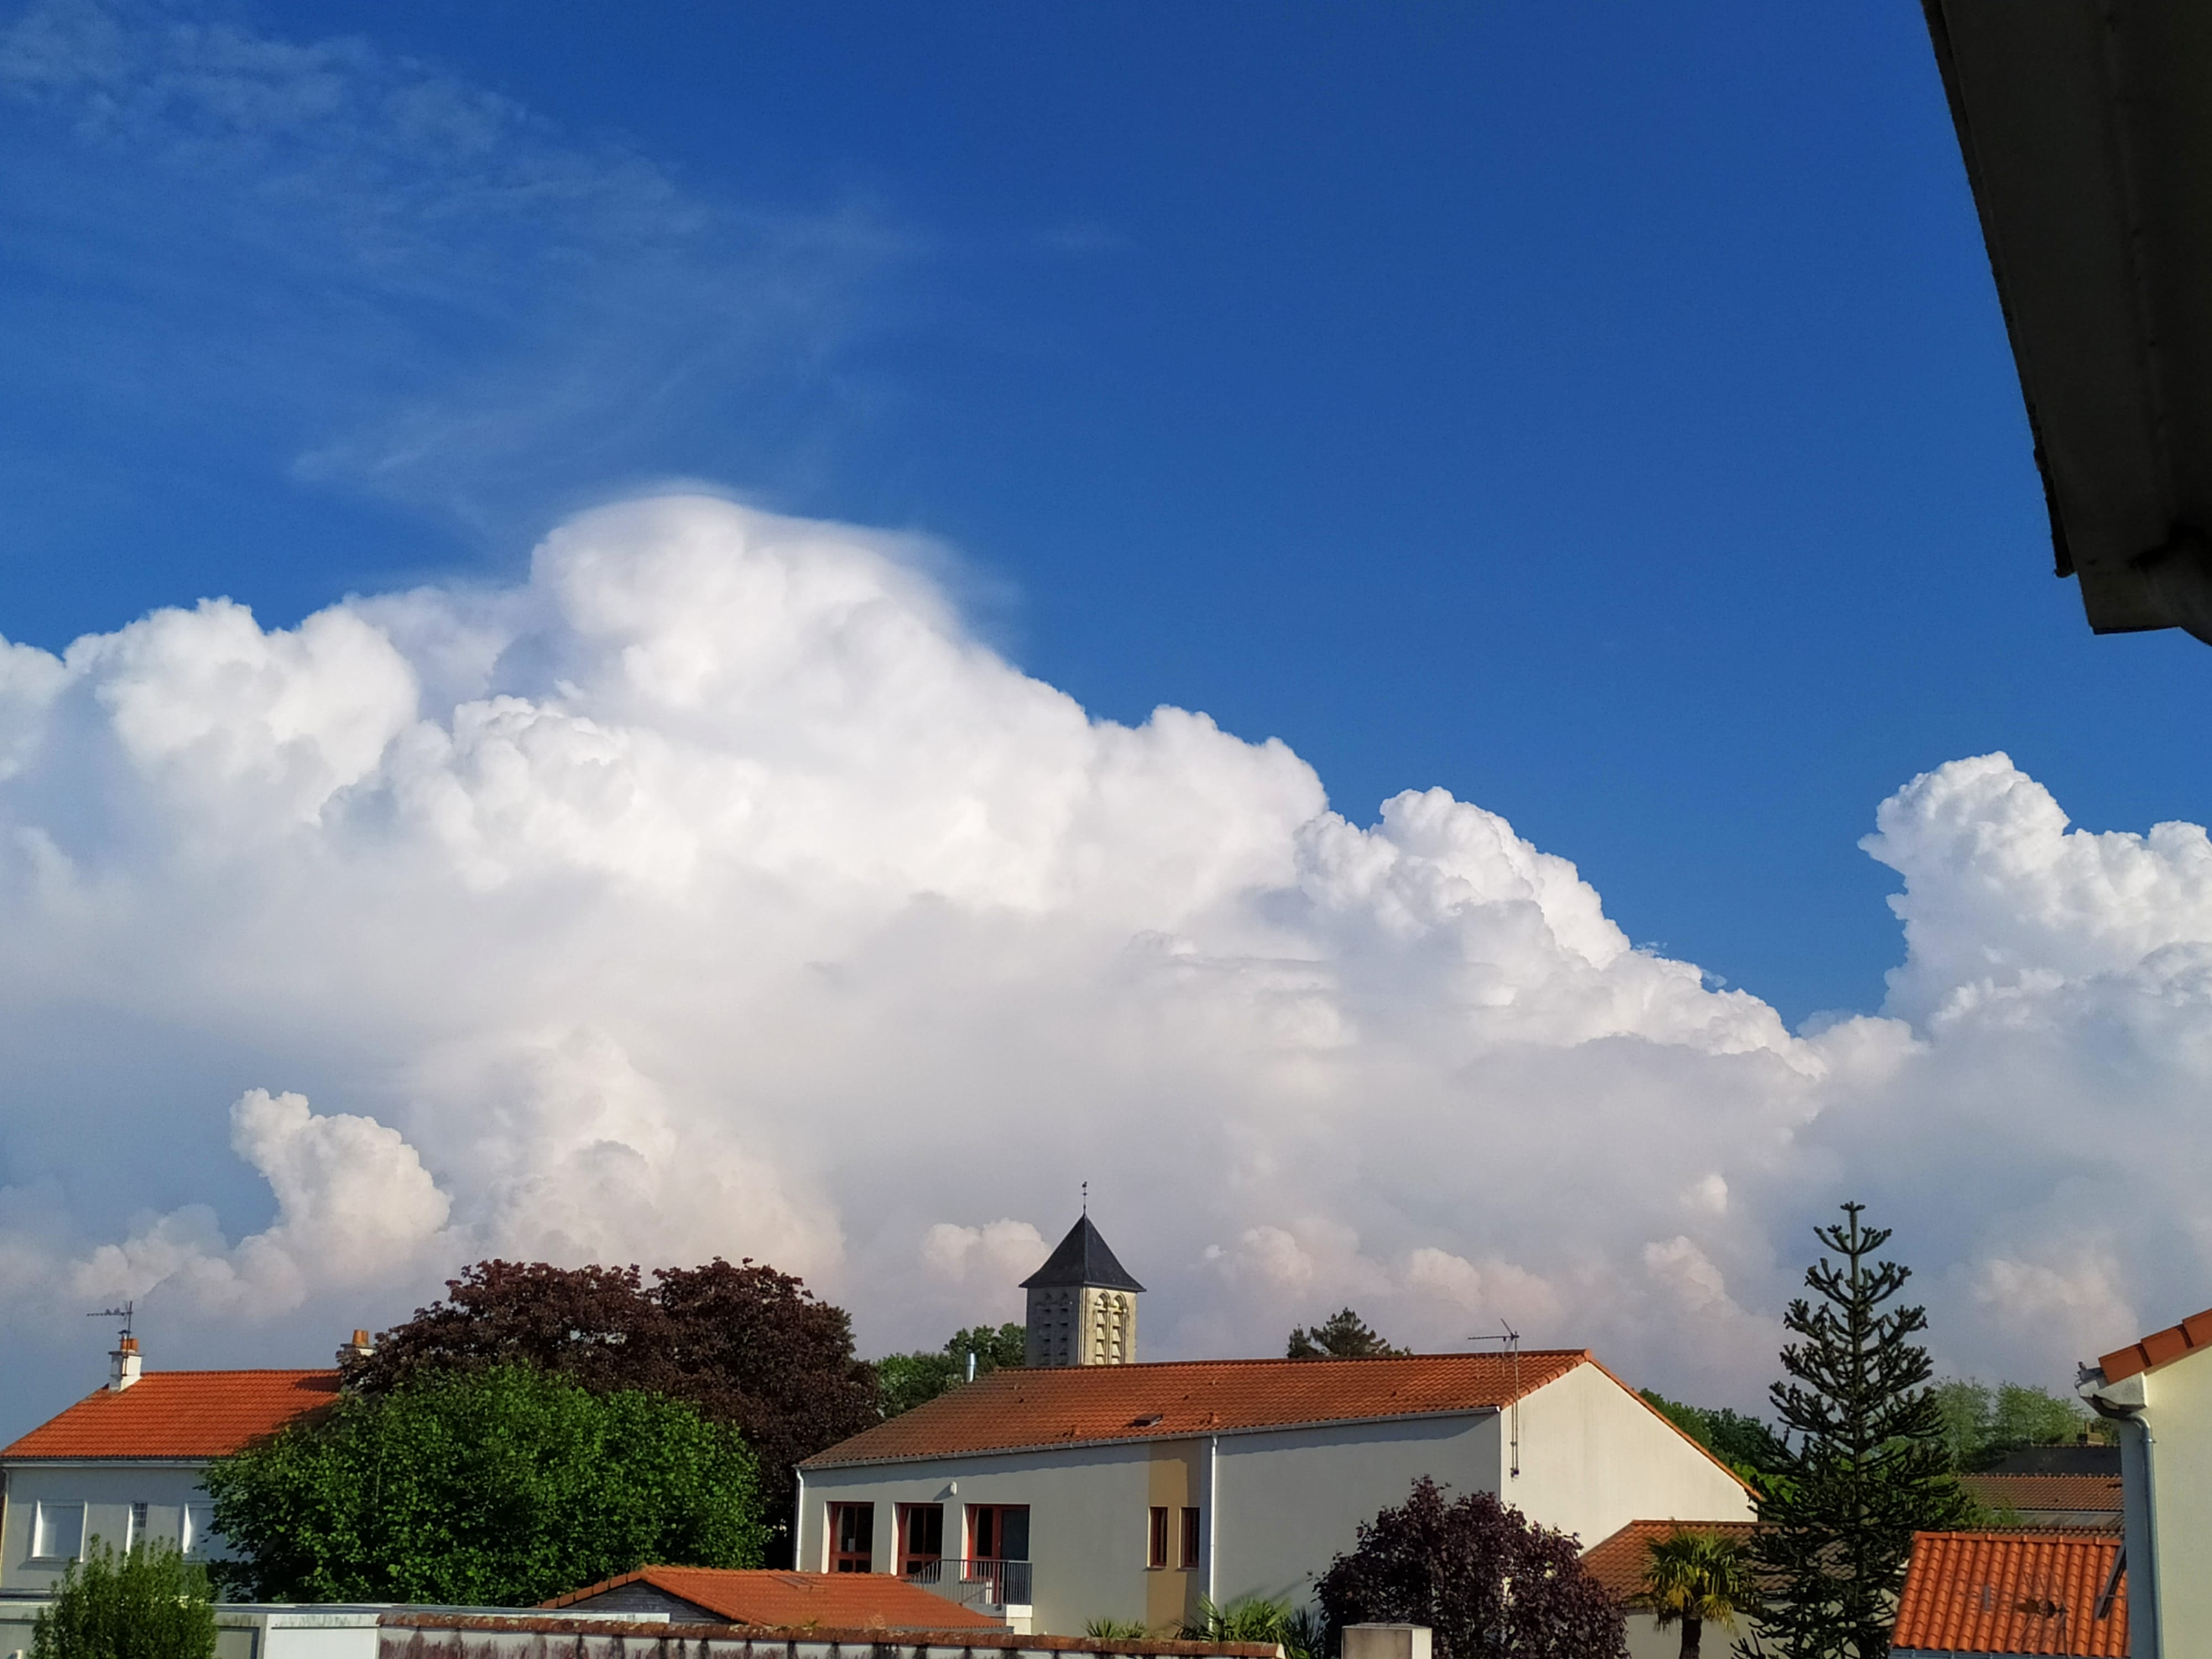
point(2011, 1592)
point(186, 1414)
point(2045, 1492)
point(1617, 1562)
point(852, 1601)
point(1012, 1410)
point(2159, 1348)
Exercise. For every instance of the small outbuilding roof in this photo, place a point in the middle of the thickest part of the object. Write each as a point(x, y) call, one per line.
point(849, 1600)
point(1082, 1258)
point(2078, 1493)
point(1020, 1410)
point(2159, 1348)
point(2012, 1592)
point(1618, 1563)
point(178, 1414)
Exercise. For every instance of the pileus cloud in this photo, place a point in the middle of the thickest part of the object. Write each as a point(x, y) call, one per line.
point(713, 891)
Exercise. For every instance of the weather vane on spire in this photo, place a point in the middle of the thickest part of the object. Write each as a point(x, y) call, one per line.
point(1086, 1198)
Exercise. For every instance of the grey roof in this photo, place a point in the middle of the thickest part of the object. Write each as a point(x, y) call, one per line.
point(1082, 1259)
point(2088, 139)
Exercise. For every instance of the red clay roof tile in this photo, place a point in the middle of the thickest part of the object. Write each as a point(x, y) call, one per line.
point(2011, 1592)
point(1012, 1409)
point(850, 1601)
point(185, 1414)
point(1618, 1563)
point(2158, 1347)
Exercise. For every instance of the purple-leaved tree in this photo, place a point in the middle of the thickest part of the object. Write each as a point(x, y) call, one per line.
point(1486, 1582)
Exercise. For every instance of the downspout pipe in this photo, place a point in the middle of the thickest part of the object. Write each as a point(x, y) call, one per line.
point(1213, 1516)
point(799, 1525)
point(2125, 1403)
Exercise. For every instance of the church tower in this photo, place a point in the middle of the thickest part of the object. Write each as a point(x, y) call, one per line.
point(1083, 1305)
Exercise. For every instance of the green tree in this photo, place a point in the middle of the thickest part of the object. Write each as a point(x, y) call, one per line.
point(749, 1347)
point(1343, 1335)
point(146, 1603)
point(1695, 1578)
point(1864, 1465)
point(1981, 1425)
point(904, 1380)
point(499, 1486)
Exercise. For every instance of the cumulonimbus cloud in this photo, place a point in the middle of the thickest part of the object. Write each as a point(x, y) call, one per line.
point(715, 891)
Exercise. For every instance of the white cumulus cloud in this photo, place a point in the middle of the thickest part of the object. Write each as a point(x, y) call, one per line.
point(715, 891)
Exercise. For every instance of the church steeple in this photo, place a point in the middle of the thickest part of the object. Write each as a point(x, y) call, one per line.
point(1083, 1305)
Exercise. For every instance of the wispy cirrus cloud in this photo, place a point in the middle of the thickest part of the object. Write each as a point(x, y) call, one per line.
point(390, 281)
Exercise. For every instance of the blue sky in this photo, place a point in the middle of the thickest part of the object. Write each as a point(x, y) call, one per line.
point(1602, 413)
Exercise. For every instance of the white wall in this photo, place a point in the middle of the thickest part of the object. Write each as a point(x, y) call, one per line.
point(108, 1490)
point(1087, 1518)
point(1594, 1457)
point(1292, 1500)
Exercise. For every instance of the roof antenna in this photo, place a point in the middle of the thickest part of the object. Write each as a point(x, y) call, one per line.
point(1512, 1341)
point(123, 1313)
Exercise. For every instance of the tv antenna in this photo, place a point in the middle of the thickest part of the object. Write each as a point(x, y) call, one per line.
point(125, 1313)
point(1511, 1339)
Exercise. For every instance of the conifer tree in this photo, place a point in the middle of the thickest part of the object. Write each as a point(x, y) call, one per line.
point(1864, 1465)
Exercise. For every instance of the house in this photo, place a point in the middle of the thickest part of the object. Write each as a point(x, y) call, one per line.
point(2049, 1500)
point(2012, 1591)
point(1618, 1564)
point(2159, 1392)
point(1104, 1487)
point(125, 1462)
point(765, 1597)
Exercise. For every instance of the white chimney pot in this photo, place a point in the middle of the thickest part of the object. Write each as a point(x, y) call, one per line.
point(123, 1364)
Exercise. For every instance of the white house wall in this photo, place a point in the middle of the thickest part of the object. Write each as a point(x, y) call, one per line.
point(1087, 1520)
point(1595, 1457)
point(1292, 1500)
point(107, 1490)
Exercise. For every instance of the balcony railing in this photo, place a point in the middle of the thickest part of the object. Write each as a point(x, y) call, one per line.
point(976, 1584)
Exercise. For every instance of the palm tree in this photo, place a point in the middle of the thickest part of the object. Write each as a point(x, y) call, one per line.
point(1694, 1576)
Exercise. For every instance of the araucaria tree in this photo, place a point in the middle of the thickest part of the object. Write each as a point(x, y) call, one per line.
point(1486, 1581)
point(499, 1486)
point(1864, 1465)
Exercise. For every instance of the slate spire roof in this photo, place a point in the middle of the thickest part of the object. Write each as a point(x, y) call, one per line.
point(1081, 1259)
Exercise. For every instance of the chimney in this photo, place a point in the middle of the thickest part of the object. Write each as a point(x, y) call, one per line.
point(122, 1366)
point(359, 1348)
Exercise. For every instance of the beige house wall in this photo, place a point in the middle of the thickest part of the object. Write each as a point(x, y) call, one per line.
point(2178, 1408)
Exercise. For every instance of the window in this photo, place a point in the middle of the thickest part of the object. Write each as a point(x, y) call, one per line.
point(136, 1532)
point(196, 1536)
point(58, 1532)
point(1191, 1540)
point(999, 1532)
point(852, 1538)
point(922, 1536)
point(1156, 1550)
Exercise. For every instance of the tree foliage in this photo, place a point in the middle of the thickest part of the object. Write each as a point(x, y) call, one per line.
point(1981, 1425)
point(749, 1347)
point(1343, 1335)
point(502, 1486)
point(904, 1380)
point(1694, 1578)
point(1867, 1466)
point(1486, 1582)
point(147, 1602)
